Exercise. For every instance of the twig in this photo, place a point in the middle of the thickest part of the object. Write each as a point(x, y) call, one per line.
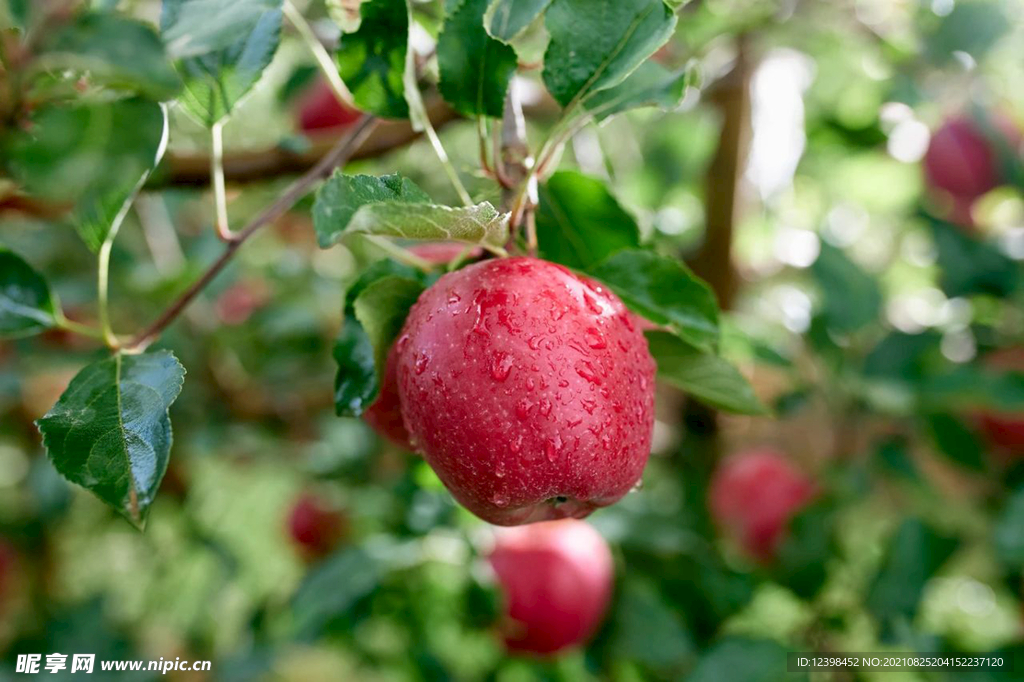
point(320, 53)
point(338, 155)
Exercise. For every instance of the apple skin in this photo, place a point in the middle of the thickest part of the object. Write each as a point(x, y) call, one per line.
point(528, 389)
point(964, 161)
point(556, 578)
point(314, 526)
point(754, 494)
point(320, 110)
point(1004, 430)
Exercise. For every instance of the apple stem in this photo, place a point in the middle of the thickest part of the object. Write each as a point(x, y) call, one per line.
point(220, 198)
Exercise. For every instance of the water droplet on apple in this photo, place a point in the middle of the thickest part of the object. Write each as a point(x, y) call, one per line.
point(500, 500)
point(501, 366)
point(422, 360)
point(594, 339)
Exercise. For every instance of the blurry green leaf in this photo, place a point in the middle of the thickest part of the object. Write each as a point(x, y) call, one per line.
point(972, 387)
point(973, 26)
point(802, 557)
point(223, 47)
point(371, 60)
point(739, 659)
point(114, 51)
point(508, 18)
point(110, 431)
point(355, 385)
point(906, 357)
point(381, 309)
point(706, 377)
point(26, 304)
point(475, 68)
point(94, 156)
point(595, 44)
point(1008, 534)
point(14, 14)
point(791, 402)
point(650, 85)
point(851, 298)
point(955, 440)
point(332, 589)
point(392, 206)
point(972, 266)
point(894, 455)
point(665, 291)
point(648, 630)
point(580, 223)
point(914, 554)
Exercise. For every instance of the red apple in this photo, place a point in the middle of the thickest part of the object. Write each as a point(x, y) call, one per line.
point(315, 526)
point(753, 495)
point(965, 159)
point(528, 389)
point(556, 578)
point(1004, 430)
point(320, 109)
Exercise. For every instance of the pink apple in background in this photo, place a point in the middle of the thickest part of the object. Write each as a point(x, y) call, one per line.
point(529, 390)
point(966, 159)
point(239, 301)
point(754, 494)
point(320, 110)
point(556, 578)
point(315, 526)
point(440, 253)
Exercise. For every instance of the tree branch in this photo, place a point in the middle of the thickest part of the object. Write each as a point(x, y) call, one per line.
point(193, 169)
point(338, 155)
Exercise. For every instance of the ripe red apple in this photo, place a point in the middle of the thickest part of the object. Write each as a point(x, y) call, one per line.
point(753, 495)
point(1004, 430)
point(315, 526)
point(528, 389)
point(966, 157)
point(556, 578)
point(320, 109)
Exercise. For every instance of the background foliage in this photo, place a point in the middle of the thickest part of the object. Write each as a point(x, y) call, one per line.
point(849, 337)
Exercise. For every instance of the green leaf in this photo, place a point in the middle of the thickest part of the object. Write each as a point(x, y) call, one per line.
point(970, 265)
point(114, 51)
point(802, 557)
point(851, 298)
point(333, 588)
point(381, 309)
point(110, 431)
point(475, 68)
point(223, 47)
point(371, 60)
point(1008, 534)
point(914, 554)
point(355, 384)
point(739, 659)
point(664, 291)
point(580, 223)
point(370, 326)
point(14, 14)
point(651, 85)
point(506, 19)
point(26, 304)
point(648, 630)
point(92, 155)
point(953, 439)
point(392, 206)
point(595, 44)
point(704, 376)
